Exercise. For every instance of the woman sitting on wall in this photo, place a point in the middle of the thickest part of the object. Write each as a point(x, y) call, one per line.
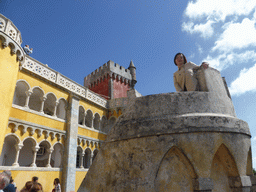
point(184, 79)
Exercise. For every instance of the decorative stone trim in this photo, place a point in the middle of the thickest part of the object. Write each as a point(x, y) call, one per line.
point(44, 71)
point(10, 29)
point(15, 47)
point(35, 128)
point(12, 168)
point(88, 141)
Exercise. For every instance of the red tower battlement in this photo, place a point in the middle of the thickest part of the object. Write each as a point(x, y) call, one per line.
point(111, 80)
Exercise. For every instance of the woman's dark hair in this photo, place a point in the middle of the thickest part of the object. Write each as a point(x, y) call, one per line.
point(185, 59)
point(57, 180)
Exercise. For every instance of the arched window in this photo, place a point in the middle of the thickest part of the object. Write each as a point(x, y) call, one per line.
point(57, 155)
point(61, 109)
point(27, 152)
point(35, 100)
point(87, 158)
point(8, 152)
point(96, 121)
point(81, 115)
point(49, 104)
point(19, 97)
point(43, 154)
point(88, 118)
point(79, 157)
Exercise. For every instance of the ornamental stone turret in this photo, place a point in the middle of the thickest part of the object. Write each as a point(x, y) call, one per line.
point(132, 69)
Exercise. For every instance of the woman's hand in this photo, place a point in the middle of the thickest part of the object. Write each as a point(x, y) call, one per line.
point(205, 65)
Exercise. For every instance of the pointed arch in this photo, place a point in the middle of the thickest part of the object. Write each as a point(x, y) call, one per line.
point(175, 173)
point(223, 169)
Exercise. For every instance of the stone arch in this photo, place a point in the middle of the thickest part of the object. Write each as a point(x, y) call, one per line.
point(81, 115)
point(9, 151)
point(79, 154)
point(43, 153)
point(20, 95)
point(26, 153)
point(96, 121)
point(249, 163)
point(61, 108)
point(103, 123)
point(35, 100)
point(175, 173)
point(88, 118)
point(224, 170)
point(87, 158)
point(50, 104)
point(57, 155)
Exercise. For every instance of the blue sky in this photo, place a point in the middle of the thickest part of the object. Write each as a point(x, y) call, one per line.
point(75, 37)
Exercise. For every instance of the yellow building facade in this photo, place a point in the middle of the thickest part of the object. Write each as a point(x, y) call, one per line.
point(51, 127)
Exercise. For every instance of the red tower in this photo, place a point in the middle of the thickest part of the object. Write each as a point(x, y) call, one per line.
point(111, 80)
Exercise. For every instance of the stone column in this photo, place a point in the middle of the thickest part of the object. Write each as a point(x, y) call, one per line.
point(55, 108)
point(35, 149)
point(241, 183)
point(82, 160)
point(203, 185)
point(49, 157)
point(28, 94)
point(84, 115)
point(18, 148)
point(42, 104)
point(69, 158)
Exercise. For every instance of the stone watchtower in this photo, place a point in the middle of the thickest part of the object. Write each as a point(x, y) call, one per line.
point(176, 142)
point(111, 80)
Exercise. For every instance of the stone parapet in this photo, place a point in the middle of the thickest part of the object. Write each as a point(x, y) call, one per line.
point(10, 29)
point(35, 67)
point(109, 69)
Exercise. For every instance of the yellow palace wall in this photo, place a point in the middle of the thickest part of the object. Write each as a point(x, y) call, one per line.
point(23, 174)
point(8, 76)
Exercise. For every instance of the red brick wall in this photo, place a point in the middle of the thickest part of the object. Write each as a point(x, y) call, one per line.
point(102, 88)
point(120, 89)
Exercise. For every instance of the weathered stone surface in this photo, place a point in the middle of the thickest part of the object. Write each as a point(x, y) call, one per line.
point(188, 141)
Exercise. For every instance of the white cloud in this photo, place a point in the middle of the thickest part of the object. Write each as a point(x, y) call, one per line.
point(223, 61)
point(237, 36)
point(245, 82)
point(218, 10)
point(206, 29)
point(200, 49)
